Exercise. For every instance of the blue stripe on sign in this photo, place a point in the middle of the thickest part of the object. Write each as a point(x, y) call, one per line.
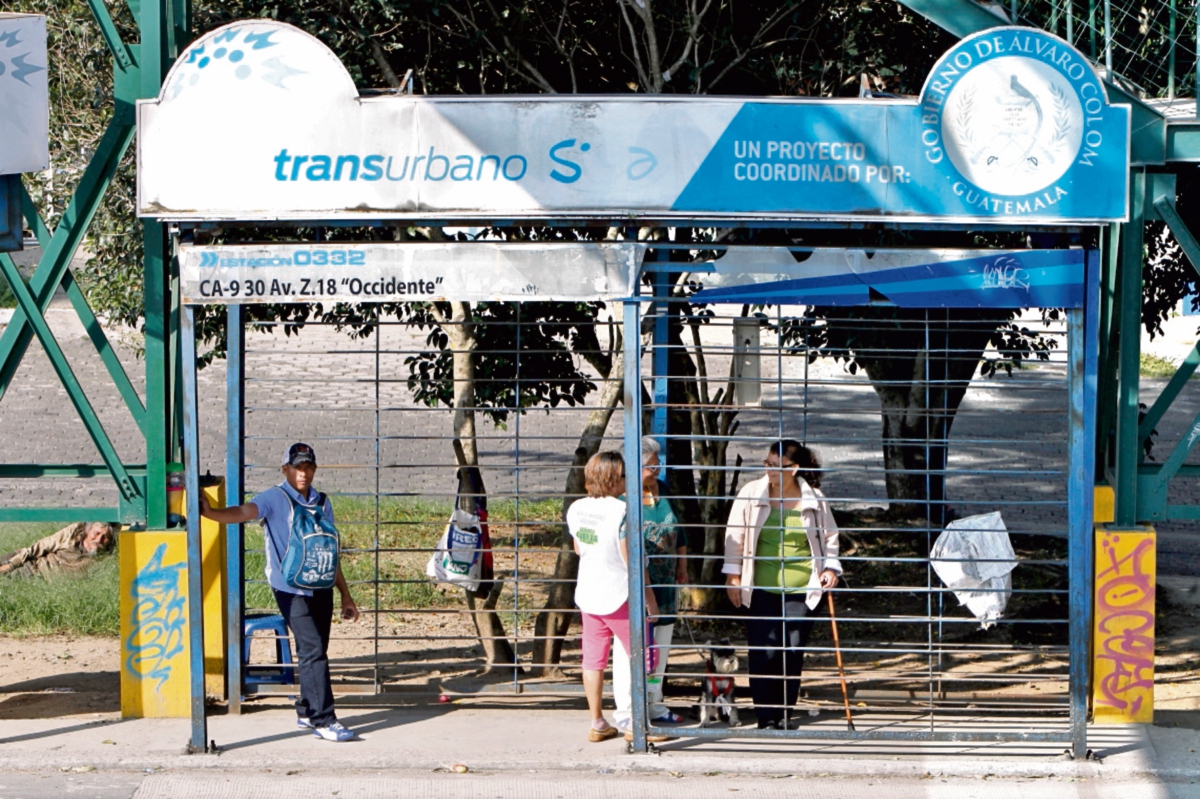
point(1039, 279)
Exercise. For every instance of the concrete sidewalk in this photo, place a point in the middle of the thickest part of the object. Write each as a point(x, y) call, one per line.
point(516, 740)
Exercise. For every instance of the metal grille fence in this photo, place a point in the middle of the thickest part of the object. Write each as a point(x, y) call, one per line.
point(1151, 45)
point(913, 657)
point(389, 464)
point(720, 385)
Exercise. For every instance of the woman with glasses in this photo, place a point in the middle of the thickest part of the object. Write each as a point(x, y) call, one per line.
point(781, 548)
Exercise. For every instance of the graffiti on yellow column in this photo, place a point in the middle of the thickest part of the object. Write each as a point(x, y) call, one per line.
point(158, 619)
point(1124, 633)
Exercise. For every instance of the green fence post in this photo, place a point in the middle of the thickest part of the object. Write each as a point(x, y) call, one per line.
point(1130, 338)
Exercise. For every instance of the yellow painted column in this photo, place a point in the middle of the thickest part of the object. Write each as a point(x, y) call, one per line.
point(213, 570)
point(1123, 636)
point(1104, 505)
point(154, 625)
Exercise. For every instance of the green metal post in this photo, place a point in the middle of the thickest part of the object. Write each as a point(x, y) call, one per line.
point(1130, 335)
point(56, 257)
point(1091, 23)
point(1171, 55)
point(75, 393)
point(1108, 36)
point(158, 35)
point(158, 375)
point(1109, 308)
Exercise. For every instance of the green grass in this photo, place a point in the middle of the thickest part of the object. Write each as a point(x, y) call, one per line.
point(86, 604)
point(1154, 366)
point(405, 523)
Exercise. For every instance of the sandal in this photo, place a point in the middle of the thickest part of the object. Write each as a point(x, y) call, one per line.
point(596, 736)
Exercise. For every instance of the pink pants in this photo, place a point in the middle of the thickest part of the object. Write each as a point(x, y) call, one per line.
point(598, 632)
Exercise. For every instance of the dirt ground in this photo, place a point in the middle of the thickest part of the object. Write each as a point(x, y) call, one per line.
point(53, 676)
point(60, 676)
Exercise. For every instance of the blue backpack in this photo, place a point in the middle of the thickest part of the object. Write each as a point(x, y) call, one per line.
point(311, 560)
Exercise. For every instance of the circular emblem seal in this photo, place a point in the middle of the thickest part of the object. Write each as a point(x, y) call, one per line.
point(1012, 125)
point(1016, 120)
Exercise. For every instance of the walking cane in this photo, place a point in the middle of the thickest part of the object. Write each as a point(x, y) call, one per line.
point(837, 651)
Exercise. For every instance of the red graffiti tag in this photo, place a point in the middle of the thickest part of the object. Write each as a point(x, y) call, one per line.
point(1125, 621)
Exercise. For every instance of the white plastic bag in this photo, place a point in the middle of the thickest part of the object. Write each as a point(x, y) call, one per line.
point(974, 558)
point(457, 558)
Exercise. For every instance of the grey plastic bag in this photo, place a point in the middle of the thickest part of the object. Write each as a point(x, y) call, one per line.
point(974, 558)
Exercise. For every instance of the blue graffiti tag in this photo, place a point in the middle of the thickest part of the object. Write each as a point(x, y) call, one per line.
point(158, 618)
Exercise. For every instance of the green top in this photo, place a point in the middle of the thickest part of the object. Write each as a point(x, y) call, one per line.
point(783, 559)
point(661, 528)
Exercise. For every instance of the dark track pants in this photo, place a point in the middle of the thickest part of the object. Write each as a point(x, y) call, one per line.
point(310, 618)
point(777, 627)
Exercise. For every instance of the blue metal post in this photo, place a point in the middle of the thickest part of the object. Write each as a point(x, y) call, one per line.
point(633, 501)
point(1083, 343)
point(191, 466)
point(235, 586)
point(660, 354)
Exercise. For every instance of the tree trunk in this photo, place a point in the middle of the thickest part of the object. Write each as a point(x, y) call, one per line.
point(461, 332)
point(711, 422)
point(553, 622)
point(921, 383)
point(460, 329)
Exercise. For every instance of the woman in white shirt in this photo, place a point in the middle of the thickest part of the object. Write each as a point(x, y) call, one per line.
point(597, 524)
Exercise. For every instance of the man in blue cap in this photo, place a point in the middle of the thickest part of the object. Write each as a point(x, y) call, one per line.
point(309, 614)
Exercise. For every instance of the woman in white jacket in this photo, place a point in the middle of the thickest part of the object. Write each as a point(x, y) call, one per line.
point(781, 548)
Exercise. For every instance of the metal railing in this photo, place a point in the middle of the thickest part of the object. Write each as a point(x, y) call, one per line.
point(1151, 45)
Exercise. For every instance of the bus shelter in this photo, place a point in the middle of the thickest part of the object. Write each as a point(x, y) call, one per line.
point(1012, 145)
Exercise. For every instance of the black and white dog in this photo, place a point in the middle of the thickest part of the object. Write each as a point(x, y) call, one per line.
point(716, 697)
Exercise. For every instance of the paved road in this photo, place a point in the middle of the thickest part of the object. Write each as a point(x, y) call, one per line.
point(573, 785)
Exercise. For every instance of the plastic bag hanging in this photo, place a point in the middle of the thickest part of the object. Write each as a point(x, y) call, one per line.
point(974, 558)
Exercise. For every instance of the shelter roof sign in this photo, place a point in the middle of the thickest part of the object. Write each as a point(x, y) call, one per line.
point(260, 121)
point(395, 272)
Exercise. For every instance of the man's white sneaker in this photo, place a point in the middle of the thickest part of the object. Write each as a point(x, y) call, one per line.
point(303, 723)
point(333, 732)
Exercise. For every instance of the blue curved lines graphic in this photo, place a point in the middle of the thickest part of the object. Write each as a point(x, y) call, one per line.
point(23, 68)
point(158, 619)
point(261, 40)
point(236, 47)
point(641, 166)
point(279, 72)
point(16, 66)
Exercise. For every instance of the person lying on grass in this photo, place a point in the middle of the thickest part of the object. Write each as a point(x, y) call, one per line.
point(308, 613)
point(71, 549)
